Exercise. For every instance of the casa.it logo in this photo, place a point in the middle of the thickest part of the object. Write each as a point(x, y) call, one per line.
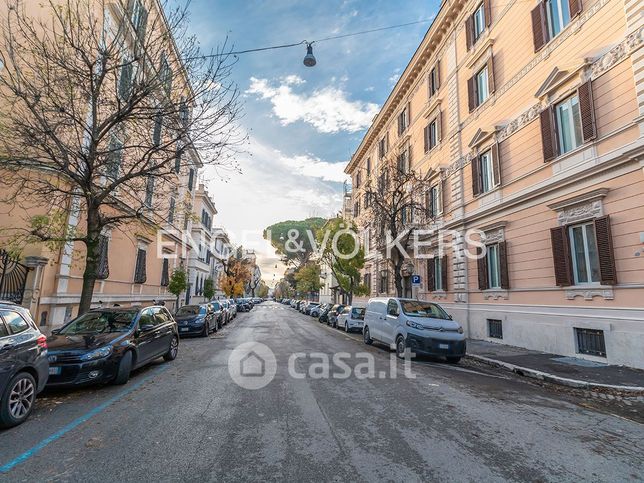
point(252, 365)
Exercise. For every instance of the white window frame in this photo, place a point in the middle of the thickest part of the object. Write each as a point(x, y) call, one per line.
point(482, 86)
point(433, 134)
point(575, 131)
point(486, 171)
point(438, 274)
point(493, 266)
point(556, 25)
point(585, 228)
point(479, 21)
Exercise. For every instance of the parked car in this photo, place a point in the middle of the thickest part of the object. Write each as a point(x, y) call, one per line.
point(323, 317)
point(423, 327)
point(24, 368)
point(196, 320)
point(317, 310)
point(218, 310)
point(233, 308)
point(332, 316)
point(227, 315)
point(351, 318)
point(105, 345)
point(310, 306)
point(242, 305)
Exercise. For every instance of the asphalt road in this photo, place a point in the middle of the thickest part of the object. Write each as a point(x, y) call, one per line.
point(188, 420)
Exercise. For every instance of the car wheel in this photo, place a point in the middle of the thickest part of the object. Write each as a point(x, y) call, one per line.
point(17, 400)
point(346, 327)
point(400, 347)
point(172, 350)
point(125, 367)
point(366, 336)
point(453, 359)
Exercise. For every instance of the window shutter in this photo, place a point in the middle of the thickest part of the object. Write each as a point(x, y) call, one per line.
point(607, 271)
point(426, 138)
point(165, 276)
point(103, 270)
point(476, 179)
point(539, 30)
point(481, 263)
point(575, 8)
point(487, 7)
point(139, 273)
point(431, 275)
point(490, 74)
point(585, 94)
point(143, 23)
point(438, 74)
point(439, 126)
point(400, 124)
point(439, 197)
point(469, 31)
point(496, 163)
point(408, 115)
point(444, 272)
point(503, 265)
point(561, 256)
point(158, 125)
point(471, 93)
point(547, 135)
point(387, 143)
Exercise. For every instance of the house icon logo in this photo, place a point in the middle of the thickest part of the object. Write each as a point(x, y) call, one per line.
point(252, 365)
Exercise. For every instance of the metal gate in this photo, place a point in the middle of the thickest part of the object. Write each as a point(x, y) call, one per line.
point(13, 276)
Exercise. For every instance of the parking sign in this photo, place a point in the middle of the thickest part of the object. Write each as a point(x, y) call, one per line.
point(415, 279)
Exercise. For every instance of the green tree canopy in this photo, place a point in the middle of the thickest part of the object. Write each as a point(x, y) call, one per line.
point(291, 239)
point(308, 278)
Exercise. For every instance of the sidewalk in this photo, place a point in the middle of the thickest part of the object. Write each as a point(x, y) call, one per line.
point(567, 371)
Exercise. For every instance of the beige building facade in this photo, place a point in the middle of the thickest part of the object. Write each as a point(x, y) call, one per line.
point(527, 121)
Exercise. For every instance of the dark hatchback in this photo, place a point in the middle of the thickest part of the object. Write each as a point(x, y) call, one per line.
point(23, 364)
point(105, 345)
point(198, 320)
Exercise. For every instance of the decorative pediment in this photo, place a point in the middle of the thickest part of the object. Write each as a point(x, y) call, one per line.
point(432, 106)
point(480, 137)
point(559, 76)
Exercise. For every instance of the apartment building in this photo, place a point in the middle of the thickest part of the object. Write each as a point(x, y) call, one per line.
point(526, 120)
point(136, 258)
point(222, 250)
point(201, 263)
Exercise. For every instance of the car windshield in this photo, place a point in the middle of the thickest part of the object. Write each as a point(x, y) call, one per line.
point(417, 308)
point(100, 323)
point(357, 313)
point(216, 306)
point(191, 310)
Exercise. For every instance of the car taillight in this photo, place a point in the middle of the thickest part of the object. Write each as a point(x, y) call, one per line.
point(42, 341)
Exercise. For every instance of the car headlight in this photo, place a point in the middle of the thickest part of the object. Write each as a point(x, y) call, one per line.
point(414, 325)
point(97, 354)
point(198, 320)
point(460, 329)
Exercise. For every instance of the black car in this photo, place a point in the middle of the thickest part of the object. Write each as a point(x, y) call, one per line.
point(332, 316)
point(219, 313)
point(242, 305)
point(23, 364)
point(196, 320)
point(104, 345)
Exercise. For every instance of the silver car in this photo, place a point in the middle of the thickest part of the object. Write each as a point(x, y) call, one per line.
point(351, 318)
point(423, 327)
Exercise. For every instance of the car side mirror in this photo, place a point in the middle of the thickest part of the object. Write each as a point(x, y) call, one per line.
point(55, 331)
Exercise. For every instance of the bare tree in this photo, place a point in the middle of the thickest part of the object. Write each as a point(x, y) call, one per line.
point(104, 105)
point(395, 207)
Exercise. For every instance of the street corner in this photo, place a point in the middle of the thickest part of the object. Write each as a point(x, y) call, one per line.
point(252, 365)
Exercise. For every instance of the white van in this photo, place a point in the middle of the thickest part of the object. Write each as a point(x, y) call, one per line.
point(423, 327)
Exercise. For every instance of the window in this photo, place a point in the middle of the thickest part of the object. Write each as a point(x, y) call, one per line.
point(103, 269)
point(406, 215)
point(165, 74)
point(434, 80)
point(392, 308)
point(431, 135)
point(139, 17)
point(403, 161)
point(434, 202)
point(438, 277)
point(125, 78)
point(368, 166)
point(149, 191)
point(165, 275)
point(356, 208)
point(171, 210)
point(495, 328)
point(367, 281)
point(177, 159)
point(481, 85)
point(437, 273)
point(550, 17)
point(191, 179)
point(384, 281)
point(15, 323)
point(591, 342)
point(4, 332)
point(583, 253)
point(486, 171)
point(568, 124)
point(482, 92)
point(367, 200)
point(492, 265)
point(158, 126)
point(139, 271)
point(568, 120)
point(479, 22)
point(583, 247)
point(403, 120)
point(357, 182)
point(114, 157)
point(383, 146)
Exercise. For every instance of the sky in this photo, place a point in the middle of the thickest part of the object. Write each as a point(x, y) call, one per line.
point(303, 123)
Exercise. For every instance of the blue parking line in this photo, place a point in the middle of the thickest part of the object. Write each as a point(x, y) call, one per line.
point(77, 422)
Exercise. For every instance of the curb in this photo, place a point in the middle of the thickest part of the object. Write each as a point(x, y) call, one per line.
point(562, 381)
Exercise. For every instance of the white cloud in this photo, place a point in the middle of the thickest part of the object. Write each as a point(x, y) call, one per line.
point(327, 109)
point(316, 168)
